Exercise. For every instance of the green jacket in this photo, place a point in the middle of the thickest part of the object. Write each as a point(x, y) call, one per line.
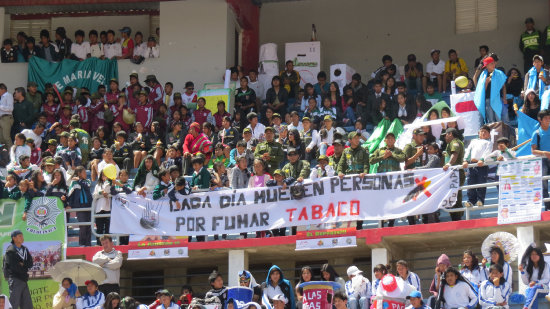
point(297, 170)
point(23, 112)
point(334, 161)
point(142, 172)
point(158, 192)
point(36, 101)
point(410, 151)
point(276, 154)
point(201, 179)
point(354, 161)
point(530, 41)
point(455, 146)
point(390, 164)
point(14, 194)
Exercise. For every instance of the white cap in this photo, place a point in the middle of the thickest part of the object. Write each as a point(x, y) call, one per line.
point(354, 271)
point(280, 297)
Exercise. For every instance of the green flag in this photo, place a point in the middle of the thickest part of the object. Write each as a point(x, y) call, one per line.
point(438, 107)
point(89, 73)
point(44, 233)
point(394, 127)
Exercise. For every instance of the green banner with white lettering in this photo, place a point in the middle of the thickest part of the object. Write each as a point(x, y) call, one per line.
point(44, 233)
point(89, 73)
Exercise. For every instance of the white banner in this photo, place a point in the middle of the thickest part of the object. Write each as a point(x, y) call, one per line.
point(158, 253)
point(374, 197)
point(462, 104)
point(326, 243)
point(520, 191)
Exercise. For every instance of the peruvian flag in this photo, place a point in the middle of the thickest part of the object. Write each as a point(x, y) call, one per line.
point(463, 105)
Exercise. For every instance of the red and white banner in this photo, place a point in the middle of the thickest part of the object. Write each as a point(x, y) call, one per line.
point(462, 104)
point(375, 197)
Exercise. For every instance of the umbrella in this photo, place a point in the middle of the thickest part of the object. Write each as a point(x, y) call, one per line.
point(78, 270)
point(505, 241)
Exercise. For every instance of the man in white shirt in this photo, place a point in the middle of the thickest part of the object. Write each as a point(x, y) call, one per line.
point(96, 47)
point(110, 260)
point(434, 71)
point(477, 150)
point(79, 49)
point(152, 48)
point(255, 85)
point(35, 133)
point(255, 127)
point(113, 49)
point(6, 117)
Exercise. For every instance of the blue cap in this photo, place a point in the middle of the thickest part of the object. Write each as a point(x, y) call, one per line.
point(415, 294)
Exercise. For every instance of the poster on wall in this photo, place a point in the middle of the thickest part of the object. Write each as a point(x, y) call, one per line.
point(44, 233)
point(520, 191)
point(306, 57)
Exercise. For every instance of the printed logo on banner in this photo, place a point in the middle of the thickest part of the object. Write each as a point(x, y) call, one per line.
point(421, 187)
point(150, 216)
point(42, 215)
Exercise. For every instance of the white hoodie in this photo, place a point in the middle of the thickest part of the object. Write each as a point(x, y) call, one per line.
point(7, 304)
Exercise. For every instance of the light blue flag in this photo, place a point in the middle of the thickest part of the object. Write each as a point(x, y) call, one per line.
point(526, 127)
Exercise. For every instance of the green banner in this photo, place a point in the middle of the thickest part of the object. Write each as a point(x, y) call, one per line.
point(89, 73)
point(44, 233)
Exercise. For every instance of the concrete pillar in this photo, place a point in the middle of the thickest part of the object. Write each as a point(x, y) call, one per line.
point(237, 261)
point(4, 23)
point(175, 276)
point(379, 256)
point(526, 236)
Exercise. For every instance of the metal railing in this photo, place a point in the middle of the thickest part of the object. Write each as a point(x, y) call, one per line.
point(466, 210)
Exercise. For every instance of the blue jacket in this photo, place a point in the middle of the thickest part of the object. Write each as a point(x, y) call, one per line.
point(285, 286)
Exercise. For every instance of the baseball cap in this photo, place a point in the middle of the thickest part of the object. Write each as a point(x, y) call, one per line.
point(126, 29)
point(291, 151)
point(251, 115)
point(450, 130)
point(322, 157)
point(277, 172)
point(15, 233)
point(52, 141)
point(143, 92)
point(64, 134)
point(277, 115)
point(177, 95)
point(419, 132)
point(247, 130)
point(32, 84)
point(95, 96)
point(114, 80)
point(29, 140)
point(49, 161)
point(74, 123)
point(165, 292)
point(134, 75)
point(150, 78)
point(269, 129)
point(487, 61)
point(327, 117)
point(503, 140)
point(280, 297)
point(306, 119)
point(353, 271)
point(539, 57)
point(435, 51)
point(339, 142)
point(414, 294)
point(352, 134)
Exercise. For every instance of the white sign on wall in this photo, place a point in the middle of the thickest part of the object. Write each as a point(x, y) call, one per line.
point(307, 60)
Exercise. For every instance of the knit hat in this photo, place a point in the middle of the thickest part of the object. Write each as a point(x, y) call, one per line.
point(444, 259)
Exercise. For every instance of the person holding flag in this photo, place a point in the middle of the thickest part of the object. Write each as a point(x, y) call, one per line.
point(537, 77)
point(490, 95)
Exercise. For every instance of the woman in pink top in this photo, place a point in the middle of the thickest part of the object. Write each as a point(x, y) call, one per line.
point(260, 177)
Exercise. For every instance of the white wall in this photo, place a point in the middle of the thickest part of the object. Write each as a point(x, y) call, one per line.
point(359, 32)
point(100, 23)
point(194, 41)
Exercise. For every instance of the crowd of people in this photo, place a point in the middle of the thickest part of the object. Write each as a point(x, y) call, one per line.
point(102, 45)
point(279, 136)
point(486, 284)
